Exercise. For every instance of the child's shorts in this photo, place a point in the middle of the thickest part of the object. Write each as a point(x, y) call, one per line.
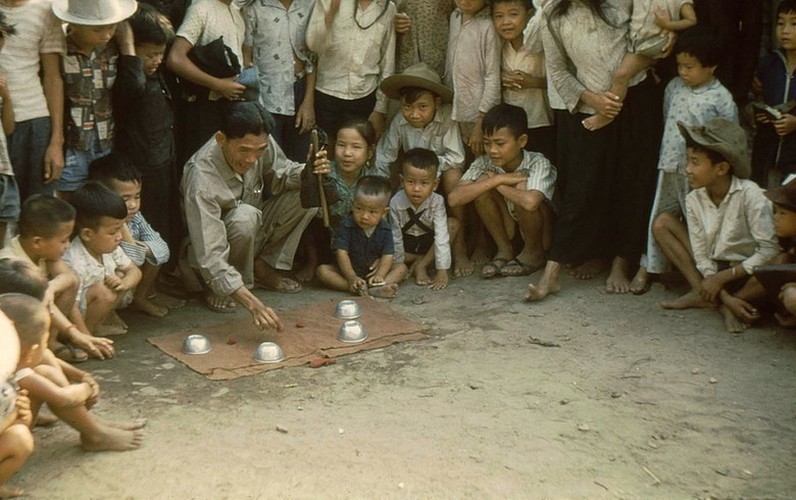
point(9, 199)
point(418, 245)
point(76, 164)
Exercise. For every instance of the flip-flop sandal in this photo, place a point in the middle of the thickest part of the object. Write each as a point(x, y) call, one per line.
point(70, 354)
point(493, 268)
point(515, 268)
point(643, 290)
point(281, 289)
point(215, 308)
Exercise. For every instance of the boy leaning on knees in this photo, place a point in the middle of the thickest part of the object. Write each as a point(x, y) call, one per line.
point(510, 187)
point(45, 228)
point(421, 228)
point(107, 276)
point(728, 228)
point(69, 393)
point(364, 245)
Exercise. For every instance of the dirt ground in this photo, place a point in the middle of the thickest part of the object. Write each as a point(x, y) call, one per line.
point(631, 401)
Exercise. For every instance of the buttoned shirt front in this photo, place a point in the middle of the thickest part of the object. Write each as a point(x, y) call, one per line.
point(740, 230)
point(432, 214)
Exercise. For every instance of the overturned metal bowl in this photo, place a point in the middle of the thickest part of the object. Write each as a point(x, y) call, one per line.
point(196, 344)
point(352, 332)
point(347, 309)
point(268, 352)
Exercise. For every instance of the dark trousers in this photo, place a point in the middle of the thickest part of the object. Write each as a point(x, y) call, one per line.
point(294, 145)
point(26, 149)
point(544, 140)
point(160, 205)
point(198, 121)
point(331, 113)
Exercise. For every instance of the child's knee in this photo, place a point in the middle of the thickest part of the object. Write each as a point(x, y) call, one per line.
point(99, 293)
point(662, 222)
point(16, 441)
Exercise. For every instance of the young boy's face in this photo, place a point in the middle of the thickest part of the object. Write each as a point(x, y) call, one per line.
point(104, 238)
point(701, 170)
point(786, 30)
point(369, 210)
point(692, 72)
point(151, 54)
point(422, 111)
point(504, 149)
point(91, 37)
point(53, 248)
point(418, 183)
point(510, 19)
point(130, 192)
point(470, 7)
point(784, 221)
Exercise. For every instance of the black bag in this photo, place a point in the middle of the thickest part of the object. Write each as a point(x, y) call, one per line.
point(215, 59)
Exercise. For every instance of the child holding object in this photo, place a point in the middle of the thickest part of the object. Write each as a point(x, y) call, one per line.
point(365, 246)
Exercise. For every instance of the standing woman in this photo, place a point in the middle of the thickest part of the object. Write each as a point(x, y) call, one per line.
point(606, 177)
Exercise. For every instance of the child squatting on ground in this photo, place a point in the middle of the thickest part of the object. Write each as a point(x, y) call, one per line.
point(421, 228)
point(728, 228)
point(69, 393)
point(364, 245)
point(784, 200)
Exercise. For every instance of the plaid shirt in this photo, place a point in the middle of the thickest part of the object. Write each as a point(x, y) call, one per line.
point(87, 95)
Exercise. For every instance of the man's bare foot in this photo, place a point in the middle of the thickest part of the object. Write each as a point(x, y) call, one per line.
point(112, 439)
point(306, 272)
point(147, 306)
point(11, 492)
point(384, 291)
point(113, 325)
point(219, 303)
point(596, 122)
point(732, 323)
point(167, 301)
point(548, 284)
point(268, 278)
point(421, 276)
point(617, 281)
point(462, 266)
point(589, 269)
point(691, 300)
point(640, 284)
point(135, 425)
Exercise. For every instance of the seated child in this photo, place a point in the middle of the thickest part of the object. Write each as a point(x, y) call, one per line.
point(425, 122)
point(9, 192)
point(651, 22)
point(69, 393)
point(510, 187)
point(107, 275)
point(45, 227)
point(364, 245)
point(729, 226)
point(142, 244)
point(784, 200)
point(421, 228)
point(523, 70)
point(16, 440)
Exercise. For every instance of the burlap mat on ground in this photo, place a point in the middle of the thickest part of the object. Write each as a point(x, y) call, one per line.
point(310, 333)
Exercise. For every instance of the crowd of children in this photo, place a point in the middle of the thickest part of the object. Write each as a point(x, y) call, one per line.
point(510, 136)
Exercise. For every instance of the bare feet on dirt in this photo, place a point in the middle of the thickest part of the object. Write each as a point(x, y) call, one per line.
point(690, 300)
point(112, 439)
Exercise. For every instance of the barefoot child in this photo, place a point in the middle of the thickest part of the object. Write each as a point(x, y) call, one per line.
point(729, 226)
point(784, 200)
point(364, 245)
point(650, 25)
point(142, 244)
point(45, 227)
point(107, 275)
point(420, 225)
point(69, 393)
point(425, 122)
point(510, 187)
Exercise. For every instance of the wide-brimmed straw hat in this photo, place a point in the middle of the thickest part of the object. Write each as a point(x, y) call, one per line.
point(94, 12)
point(417, 75)
point(784, 195)
point(724, 137)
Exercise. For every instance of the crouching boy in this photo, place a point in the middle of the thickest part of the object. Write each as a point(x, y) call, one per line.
point(364, 245)
point(510, 187)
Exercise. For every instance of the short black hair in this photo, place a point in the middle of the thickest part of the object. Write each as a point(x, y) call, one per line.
point(150, 26)
point(373, 185)
point(713, 156)
point(28, 315)
point(6, 29)
point(43, 216)
point(786, 6)
point(411, 94)
point(245, 117)
point(527, 4)
point(113, 167)
point(507, 116)
point(702, 43)
point(22, 276)
point(93, 201)
point(363, 127)
point(421, 158)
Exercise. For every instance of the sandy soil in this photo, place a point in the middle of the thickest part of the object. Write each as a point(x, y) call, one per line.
point(631, 402)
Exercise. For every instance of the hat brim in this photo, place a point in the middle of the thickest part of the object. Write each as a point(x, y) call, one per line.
point(741, 167)
point(779, 196)
point(392, 85)
point(126, 8)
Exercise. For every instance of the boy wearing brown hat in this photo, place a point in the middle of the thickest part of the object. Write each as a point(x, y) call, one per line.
point(784, 199)
point(425, 122)
point(729, 226)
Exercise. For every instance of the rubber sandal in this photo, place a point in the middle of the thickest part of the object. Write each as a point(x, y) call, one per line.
point(515, 268)
point(70, 354)
point(280, 288)
point(218, 309)
point(493, 268)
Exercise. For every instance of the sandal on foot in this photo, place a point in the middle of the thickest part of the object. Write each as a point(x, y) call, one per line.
point(283, 285)
point(516, 268)
point(70, 354)
point(223, 308)
point(493, 268)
